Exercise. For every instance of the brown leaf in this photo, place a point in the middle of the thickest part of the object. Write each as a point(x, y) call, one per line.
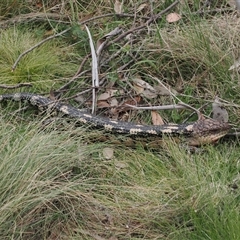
point(80, 99)
point(149, 94)
point(156, 118)
point(103, 104)
point(163, 91)
point(236, 63)
point(48, 33)
point(108, 153)
point(118, 7)
point(139, 82)
point(137, 86)
point(141, 7)
point(219, 112)
point(132, 101)
point(143, 88)
point(113, 102)
point(104, 96)
point(52, 95)
point(39, 4)
point(173, 17)
point(120, 165)
point(114, 113)
point(108, 94)
point(102, 41)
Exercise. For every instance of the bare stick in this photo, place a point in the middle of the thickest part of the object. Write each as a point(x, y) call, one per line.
point(164, 107)
point(233, 134)
point(95, 78)
point(15, 86)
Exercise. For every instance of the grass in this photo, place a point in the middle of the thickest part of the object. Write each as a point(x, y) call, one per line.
point(52, 185)
point(57, 184)
point(44, 65)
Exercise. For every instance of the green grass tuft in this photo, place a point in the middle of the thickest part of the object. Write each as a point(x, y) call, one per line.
point(43, 67)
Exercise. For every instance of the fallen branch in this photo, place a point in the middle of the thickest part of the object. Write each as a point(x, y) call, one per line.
point(15, 86)
point(164, 107)
point(95, 78)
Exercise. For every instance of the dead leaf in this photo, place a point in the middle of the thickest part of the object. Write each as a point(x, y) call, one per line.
point(114, 113)
point(118, 7)
point(156, 118)
point(141, 7)
point(219, 112)
point(139, 82)
point(112, 92)
point(52, 95)
point(113, 33)
point(103, 104)
point(39, 4)
point(120, 165)
point(173, 17)
point(113, 102)
point(143, 88)
point(235, 65)
point(102, 41)
point(104, 96)
point(80, 99)
point(138, 89)
point(149, 94)
point(163, 91)
point(131, 101)
point(108, 153)
point(49, 33)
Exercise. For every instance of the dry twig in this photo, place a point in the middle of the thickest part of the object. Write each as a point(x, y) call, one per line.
point(164, 107)
point(95, 78)
point(15, 86)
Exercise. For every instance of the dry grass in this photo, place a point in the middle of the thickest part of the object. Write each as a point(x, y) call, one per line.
point(52, 186)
